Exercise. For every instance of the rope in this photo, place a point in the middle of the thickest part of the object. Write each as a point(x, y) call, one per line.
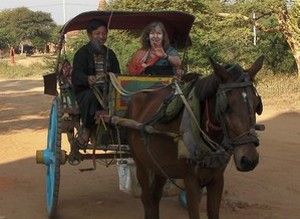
point(99, 97)
point(122, 91)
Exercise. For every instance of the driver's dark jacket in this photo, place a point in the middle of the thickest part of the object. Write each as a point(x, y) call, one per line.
point(84, 65)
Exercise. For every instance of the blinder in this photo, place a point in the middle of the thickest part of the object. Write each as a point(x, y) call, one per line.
point(222, 103)
point(260, 107)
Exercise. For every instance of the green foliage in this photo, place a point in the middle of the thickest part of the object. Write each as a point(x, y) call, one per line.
point(54, 34)
point(278, 55)
point(223, 31)
point(74, 43)
point(38, 43)
point(123, 44)
point(191, 6)
point(17, 25)
point(227, 35)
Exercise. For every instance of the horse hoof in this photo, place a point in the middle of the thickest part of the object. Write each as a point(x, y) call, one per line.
point(182, 199)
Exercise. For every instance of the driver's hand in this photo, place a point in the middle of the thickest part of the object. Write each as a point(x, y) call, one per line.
point(92, 80)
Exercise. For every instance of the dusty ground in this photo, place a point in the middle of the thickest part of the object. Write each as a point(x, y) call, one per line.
point(271, 191)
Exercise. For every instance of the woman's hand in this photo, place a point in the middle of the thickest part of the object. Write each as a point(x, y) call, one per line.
point(159, 51)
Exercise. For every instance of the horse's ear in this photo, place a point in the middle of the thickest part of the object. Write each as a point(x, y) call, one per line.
point(219, 70)
point(256, 66)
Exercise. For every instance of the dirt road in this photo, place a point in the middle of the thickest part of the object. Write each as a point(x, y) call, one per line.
point(271, 191)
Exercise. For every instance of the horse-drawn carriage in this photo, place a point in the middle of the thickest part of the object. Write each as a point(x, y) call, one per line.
point(188, 141)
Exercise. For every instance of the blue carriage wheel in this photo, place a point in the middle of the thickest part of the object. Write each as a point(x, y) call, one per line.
point(52, 156)
point(182, 198)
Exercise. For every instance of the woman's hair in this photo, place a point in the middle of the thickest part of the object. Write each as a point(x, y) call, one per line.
point(145, 35)
point(95, 24)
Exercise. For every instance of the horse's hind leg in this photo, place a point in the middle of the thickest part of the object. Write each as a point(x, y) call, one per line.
point(152, 189)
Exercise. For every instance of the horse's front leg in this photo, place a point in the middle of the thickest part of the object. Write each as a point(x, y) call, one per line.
point(214, 196)
point(193, 196)
point(152, 189)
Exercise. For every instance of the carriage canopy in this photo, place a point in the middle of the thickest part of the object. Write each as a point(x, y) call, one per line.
point(178, 24)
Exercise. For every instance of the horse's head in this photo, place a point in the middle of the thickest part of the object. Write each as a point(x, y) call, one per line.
point(237, 103)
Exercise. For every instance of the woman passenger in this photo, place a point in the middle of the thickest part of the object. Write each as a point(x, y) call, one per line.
point(156, 56)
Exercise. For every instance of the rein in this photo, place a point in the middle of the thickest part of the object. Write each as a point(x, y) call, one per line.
point(124, 92)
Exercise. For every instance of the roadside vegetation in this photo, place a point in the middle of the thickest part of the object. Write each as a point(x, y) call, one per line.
point(18, 71)
point(273, 88)
point(26, 67)
point(278, 88)
point(224, 31)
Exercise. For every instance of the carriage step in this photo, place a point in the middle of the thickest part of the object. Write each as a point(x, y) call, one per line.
point(110, 147)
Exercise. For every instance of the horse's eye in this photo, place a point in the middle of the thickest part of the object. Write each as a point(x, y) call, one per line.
point(228, 109)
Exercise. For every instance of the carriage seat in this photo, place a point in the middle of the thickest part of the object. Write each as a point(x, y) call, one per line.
point(159, 70)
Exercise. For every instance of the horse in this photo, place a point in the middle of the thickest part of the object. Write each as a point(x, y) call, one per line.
point(228, 104)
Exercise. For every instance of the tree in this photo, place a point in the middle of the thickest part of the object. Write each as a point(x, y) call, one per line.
point(17, 25)
point(273, 16)
point(224, 30)
point(287, 23)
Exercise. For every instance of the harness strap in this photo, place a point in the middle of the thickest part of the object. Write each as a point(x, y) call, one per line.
point(137, 125)
point(212, 144)
point(117, 85)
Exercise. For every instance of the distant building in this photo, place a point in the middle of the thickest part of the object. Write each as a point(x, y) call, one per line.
point(75, 33)
point(102, 4)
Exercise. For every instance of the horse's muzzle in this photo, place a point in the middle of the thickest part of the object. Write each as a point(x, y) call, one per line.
point(247, 164)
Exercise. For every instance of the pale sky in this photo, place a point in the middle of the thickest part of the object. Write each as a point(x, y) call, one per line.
point(54, 7)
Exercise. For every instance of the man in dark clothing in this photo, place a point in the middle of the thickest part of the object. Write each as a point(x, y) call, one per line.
point(90, 64)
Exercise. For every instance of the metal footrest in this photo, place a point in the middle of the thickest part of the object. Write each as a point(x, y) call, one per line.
point(110, 147)
point(105, 156)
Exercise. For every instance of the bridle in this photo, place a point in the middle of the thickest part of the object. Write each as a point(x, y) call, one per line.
point(249, 136)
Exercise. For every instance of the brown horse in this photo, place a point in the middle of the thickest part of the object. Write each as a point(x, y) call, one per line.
point(229, 103)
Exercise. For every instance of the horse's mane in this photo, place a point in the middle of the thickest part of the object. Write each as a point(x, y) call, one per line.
point(207, 86)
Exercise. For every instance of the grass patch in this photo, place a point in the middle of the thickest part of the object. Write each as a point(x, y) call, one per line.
point(21, 71)
point(275, 85)
point(280, 90)
point(276, 89)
